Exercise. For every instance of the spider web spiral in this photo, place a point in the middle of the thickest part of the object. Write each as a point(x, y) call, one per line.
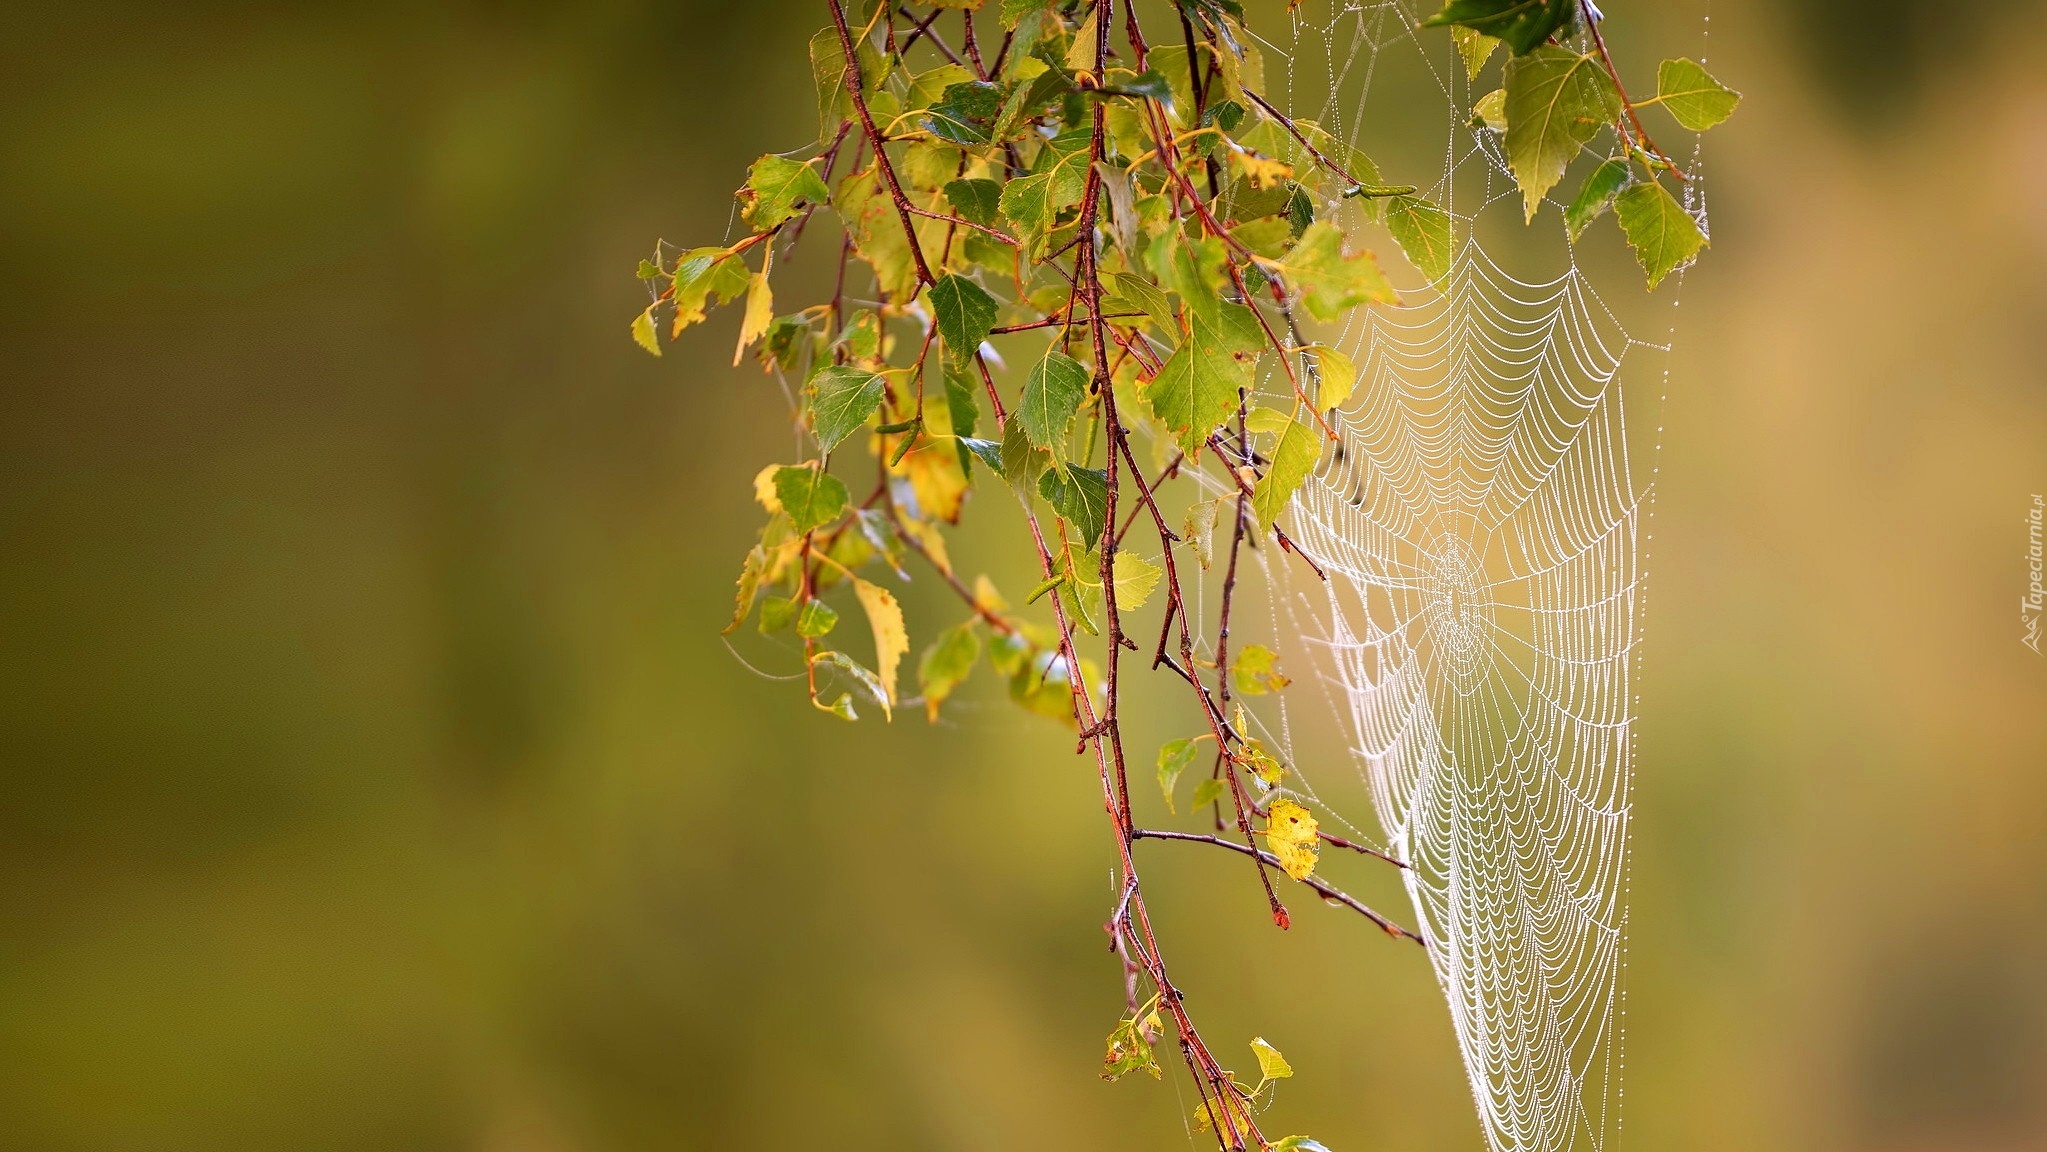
point(1481, 529)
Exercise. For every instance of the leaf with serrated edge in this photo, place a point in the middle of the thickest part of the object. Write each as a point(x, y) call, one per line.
point(891, 639)
point(1523, 24)
point(1424, 233)
point(1271, 1064)
point(1198, 387)
point(1292, 458)
point(1692, 95)
point(1338, 376)
point(1663, 235)
point(964, 313)
point(842, 397)
point(1135, 578)
point(774, 186)
point(1051, 396)
point(1595, 196)
point(1556, 101)
point(1291, 831)
point(812, 498)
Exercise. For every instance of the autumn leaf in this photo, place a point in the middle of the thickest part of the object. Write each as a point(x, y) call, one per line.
point(891, 639)
point(1291, 831)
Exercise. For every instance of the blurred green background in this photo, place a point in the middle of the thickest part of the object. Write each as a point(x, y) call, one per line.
point(376, 778)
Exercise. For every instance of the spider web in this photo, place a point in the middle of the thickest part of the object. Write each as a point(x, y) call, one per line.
point(1481, 527)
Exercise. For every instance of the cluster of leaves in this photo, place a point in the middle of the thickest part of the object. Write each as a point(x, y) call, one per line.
point(1055, 258)
point(1555, 102)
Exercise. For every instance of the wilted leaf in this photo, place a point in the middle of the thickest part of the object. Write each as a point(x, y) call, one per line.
point(1198, 526)
point(760, 312)
point(643, 331)
point(1130, 1047)
point(749, 585)
point(891, 639)
point(1256, 671)
point(1663, 235)
point(1291, 831)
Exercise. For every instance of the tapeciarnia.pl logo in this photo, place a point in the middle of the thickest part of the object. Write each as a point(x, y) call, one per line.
point(2035, 599)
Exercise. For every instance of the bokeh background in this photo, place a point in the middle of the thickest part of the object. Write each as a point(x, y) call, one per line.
point(375, 776)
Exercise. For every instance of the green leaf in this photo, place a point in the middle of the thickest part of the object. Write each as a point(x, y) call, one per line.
point(964, 314)
point(818, 619)
point(965, 113)
point(811, 496)
point(1424, 233)
point(750, 575)
point(1149, 300)
point(946, 664)
point(1523, 24)
point(1130, 1047)
point(1026, 202)
point(1663, 235)
point(988, 452)
point(1491, 109)
point(1205, 793)
point(643, 331)
point(1691, 94)
point(702, 275)
point(1192, 267)
point(1198, 387)
point(1337, 375)
point(1081, 497)
point(1271, 1064)
point(1595, 195)
point(976, 200)
point(1051, 396)
point(1174, 757)
point(1135, 578)
point(1022, 461)
point(1556, 101)
point(842, 397)
point(1292, 458)
point(1474, 47)
point(777, 613)
point(1300, 1144)
point(1331, 282)
point(1255, 671)
point(774, 186)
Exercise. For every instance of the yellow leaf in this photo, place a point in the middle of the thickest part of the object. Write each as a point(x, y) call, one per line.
point(764, 488)
point(986, 597)
point(1260, 171)
point(643, 331)
point(1135, 578)
point(1081, 56)
point(760, 312)
point(1338, 374)
point(891, 638)
point(1291, 831)
point(1271, 1064)
point(933, 470)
